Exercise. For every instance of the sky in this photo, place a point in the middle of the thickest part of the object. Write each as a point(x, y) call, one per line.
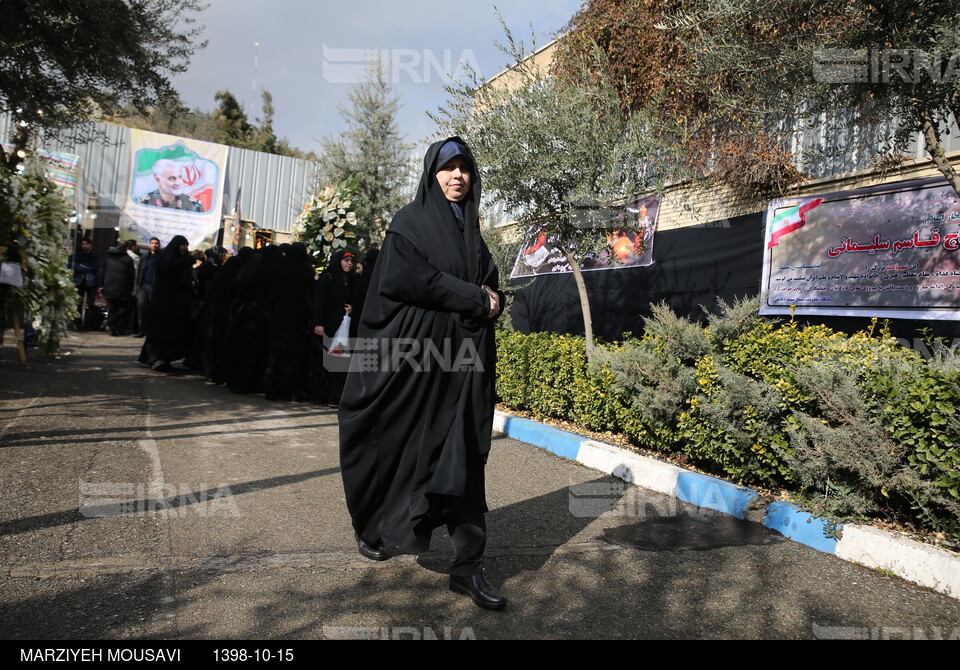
point(312, 52)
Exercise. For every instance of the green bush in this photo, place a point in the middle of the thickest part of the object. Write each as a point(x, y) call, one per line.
point(855, 424)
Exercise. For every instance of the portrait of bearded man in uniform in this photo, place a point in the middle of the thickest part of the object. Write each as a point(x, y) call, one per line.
point(170, 189)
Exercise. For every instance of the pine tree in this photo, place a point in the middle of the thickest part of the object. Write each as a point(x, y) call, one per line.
point(370, 153)
point(234, 129)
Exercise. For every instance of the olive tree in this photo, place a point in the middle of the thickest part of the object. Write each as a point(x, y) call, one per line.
point(892, 64)
point(546, 145)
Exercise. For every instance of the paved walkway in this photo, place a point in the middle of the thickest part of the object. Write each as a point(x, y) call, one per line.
point(137, 504)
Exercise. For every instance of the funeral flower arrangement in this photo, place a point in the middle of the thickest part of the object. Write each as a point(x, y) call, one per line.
point(326, 221)
point(36, 233)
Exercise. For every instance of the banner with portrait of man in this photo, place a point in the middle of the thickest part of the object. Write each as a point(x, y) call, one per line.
point(623, 239)
point(176, 188)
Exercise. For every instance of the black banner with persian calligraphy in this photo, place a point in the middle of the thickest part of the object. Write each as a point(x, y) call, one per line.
point(889, 251)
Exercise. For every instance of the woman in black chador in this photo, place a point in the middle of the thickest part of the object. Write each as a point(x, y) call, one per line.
point(285, 375)
point(416, 413)
point(332, 300)
point(248, 338)
point(169, 323)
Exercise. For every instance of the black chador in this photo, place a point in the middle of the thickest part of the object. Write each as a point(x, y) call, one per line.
point(332, 292)
point(417, 410)
point(169, 323)
point(248, 338)
point(285, 375)
point(215, 363)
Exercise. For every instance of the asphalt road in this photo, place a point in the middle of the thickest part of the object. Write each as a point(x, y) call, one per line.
point(144, 505)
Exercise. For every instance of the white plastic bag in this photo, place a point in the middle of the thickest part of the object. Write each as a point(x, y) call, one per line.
point(339, 344)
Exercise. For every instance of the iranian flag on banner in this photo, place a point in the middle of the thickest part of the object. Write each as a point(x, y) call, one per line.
point(176, 188)
point(789, 220)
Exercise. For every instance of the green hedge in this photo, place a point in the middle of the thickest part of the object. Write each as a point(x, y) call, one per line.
point(856, 425)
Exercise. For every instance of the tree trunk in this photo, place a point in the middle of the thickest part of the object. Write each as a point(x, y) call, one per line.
point(584, 302)
point(931, 140)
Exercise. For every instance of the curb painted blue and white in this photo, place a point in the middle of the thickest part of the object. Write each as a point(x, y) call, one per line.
point(914, 561)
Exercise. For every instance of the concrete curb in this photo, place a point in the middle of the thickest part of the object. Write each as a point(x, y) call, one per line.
point(914, 561)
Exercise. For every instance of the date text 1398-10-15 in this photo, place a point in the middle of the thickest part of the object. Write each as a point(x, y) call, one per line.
point(242, 655)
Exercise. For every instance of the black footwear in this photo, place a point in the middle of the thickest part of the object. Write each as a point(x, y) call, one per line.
point(374, 551)
point(477, 588)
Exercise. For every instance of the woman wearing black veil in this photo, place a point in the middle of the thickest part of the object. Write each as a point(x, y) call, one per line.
point(253, 309)
point(215, 364)
point(169, 323)
point(415, 424)
point(332, 300)
point(360, 292)
point(285, 376)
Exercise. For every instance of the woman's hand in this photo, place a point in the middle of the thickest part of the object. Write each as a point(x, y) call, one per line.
point(494, 301)
point(348, 309)
point(318, 331)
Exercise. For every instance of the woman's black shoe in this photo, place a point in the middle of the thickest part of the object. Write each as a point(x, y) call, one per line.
point(374, 552)
point(477, 588)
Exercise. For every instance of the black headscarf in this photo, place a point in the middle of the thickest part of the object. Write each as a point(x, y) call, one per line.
point(429, 221)
point(334, 288)
point(170, 255)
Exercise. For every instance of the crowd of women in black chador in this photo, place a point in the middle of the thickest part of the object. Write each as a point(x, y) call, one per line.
point(257, 323)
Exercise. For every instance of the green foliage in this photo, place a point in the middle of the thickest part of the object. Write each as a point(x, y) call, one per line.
point(855, 425)
point(733, 425)
point(63, 61)
point(651, 70)
point(227, 124)
point(34, 231)
point(773, 54)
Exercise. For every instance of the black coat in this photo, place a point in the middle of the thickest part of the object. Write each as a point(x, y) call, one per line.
point(117, 275)
point(253, 310)
point(215, 360)
point(415, 429)
point(86, 269)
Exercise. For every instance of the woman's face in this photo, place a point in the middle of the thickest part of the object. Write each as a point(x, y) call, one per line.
point(346, 264)
point(454, 179)
point(184, 249)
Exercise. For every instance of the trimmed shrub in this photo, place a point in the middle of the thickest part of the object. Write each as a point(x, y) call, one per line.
point(856, 425)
